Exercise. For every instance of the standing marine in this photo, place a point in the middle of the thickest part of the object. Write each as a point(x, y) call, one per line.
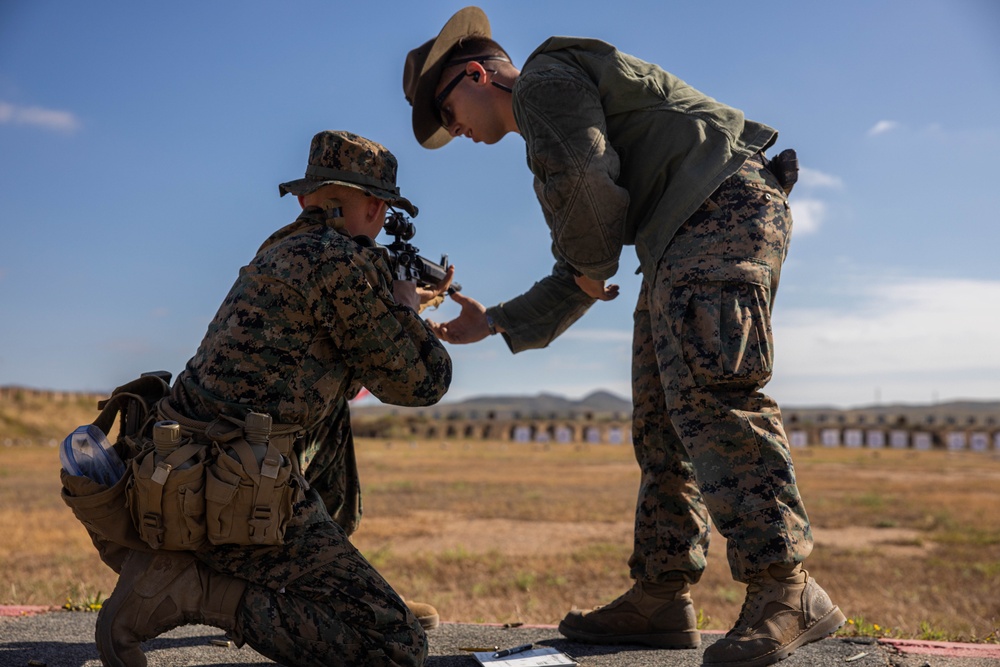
point(625, 153)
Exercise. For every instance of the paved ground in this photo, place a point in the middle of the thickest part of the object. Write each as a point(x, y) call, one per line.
point(64, 639)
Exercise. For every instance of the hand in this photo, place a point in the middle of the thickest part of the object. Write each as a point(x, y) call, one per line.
point(470, 325)
point(405, 293)
point(595, 289)
point(433, 296)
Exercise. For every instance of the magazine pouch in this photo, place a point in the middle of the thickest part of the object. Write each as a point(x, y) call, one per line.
point(167, 496)
point(250, 489)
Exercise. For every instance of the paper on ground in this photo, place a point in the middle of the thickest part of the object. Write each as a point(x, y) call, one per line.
point(545, 656)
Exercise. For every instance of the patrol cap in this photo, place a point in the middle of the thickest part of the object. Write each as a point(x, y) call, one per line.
point(344, 158)
point(423, 68)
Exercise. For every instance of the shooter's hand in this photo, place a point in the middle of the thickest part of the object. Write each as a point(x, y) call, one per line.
point(595, 289)
point(470, 325)
point(433, 296)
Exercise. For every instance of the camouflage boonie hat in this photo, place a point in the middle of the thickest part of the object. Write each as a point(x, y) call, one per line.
point(344, 158)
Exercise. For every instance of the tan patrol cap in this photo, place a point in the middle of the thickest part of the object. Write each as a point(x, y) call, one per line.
point(423, 68)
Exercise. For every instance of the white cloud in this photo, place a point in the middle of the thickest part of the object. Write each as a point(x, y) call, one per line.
point(882, 127)
point(893, 326)
point(807, 215)
point(51, 119)
point(814, 178)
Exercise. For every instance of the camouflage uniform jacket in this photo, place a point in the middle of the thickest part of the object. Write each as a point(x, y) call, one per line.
point(308, 323)
point(623, 153)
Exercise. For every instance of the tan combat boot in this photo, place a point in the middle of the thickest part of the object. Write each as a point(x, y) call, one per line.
point(426, 615)
point(158, 592)
point(785, 608)
point(659, 615)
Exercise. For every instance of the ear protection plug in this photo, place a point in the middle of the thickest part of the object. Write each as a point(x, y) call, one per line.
point(475, 77)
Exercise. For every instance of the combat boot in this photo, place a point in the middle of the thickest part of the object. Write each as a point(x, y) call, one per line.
point(157, 592)
point(784, 609)
point(426, 615)
point(660, 615)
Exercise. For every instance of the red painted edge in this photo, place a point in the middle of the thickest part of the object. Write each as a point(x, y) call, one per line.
point(25, 610)
point(952, 649)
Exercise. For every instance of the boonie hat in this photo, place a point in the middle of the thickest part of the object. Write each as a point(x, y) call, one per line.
point(344, 158)
point(423, 68)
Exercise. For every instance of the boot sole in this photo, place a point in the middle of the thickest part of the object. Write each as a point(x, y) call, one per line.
point(668, 640)
point(823, 628)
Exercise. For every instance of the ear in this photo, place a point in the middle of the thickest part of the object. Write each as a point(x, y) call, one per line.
point(476, 72)
point(376, 208)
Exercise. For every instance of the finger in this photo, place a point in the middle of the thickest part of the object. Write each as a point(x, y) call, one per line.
point(462, 300)
point(445, 283)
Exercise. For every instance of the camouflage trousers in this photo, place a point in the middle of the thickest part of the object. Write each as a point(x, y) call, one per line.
point(709, 443)
point(315, 600)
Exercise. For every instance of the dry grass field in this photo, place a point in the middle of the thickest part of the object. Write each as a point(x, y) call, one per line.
point(908, 543)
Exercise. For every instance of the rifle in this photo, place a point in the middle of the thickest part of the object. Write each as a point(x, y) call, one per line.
point(403, 259)
point(401, 255)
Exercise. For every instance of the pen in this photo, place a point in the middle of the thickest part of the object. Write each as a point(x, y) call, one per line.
point(511, 651)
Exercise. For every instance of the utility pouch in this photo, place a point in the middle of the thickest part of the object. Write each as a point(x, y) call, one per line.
point(167, 497)
point(785, 167)
point(249, 495)
point(103, 510)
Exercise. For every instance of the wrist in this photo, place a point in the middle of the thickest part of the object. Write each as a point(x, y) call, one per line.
point(491, 325)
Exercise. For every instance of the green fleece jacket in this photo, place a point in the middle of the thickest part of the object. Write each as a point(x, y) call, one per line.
point(623, 153)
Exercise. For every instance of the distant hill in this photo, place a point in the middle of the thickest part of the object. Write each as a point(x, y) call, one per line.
point(43, 415)
point(596, 404)
point(604, 404)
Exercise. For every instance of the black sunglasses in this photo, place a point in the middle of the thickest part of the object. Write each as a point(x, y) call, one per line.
point(445, 117)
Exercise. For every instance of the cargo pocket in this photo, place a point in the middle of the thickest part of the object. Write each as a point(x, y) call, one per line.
point(720, 311)
point(104, 512)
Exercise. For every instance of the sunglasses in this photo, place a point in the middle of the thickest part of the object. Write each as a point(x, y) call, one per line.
point(445, 116)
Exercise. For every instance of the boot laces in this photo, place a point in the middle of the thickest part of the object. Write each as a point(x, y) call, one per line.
point(751, 606)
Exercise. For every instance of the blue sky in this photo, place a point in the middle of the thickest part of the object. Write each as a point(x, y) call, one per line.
point(141, 145)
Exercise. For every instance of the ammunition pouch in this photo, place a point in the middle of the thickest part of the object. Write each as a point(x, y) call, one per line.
point(210, 489)
point(224, 495)
point(167, 497)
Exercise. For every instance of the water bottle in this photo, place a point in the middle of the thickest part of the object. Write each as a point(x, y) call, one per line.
point(166, 438)
point(86, 452)
point(257, 433)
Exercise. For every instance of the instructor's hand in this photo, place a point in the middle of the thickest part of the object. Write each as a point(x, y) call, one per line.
point(470, 325)
point(595, 289)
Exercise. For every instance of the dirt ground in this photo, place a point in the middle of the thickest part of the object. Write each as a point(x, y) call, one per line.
point(432, 531)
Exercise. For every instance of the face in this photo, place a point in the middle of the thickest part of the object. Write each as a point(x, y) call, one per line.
point(466, 104)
